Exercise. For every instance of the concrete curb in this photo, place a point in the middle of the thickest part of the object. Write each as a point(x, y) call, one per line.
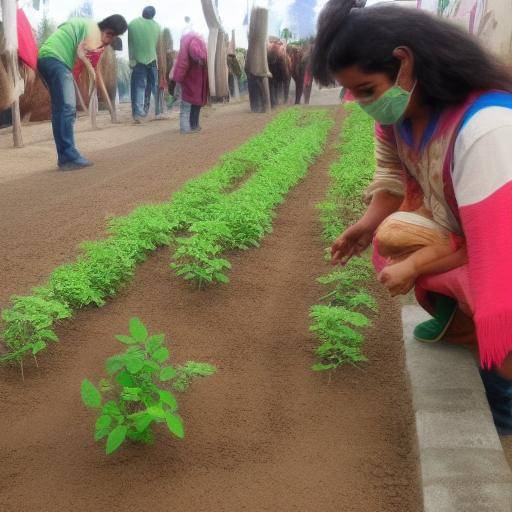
point(462, 461)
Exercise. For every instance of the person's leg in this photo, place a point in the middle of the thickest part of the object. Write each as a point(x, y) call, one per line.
point(185, 116)
point(47, 72)
point(153, 86)
point(139, 81)
point(62, 91)
point(147, 95)
point(198, 116)
point(194, 117)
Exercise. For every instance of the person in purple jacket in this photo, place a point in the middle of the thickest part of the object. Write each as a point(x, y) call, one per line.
point(191, 73)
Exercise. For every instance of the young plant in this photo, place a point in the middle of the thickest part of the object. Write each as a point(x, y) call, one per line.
point(104, 266)
point(138, 392)
point(239, 220)
point(341, 344)
point(337, 323)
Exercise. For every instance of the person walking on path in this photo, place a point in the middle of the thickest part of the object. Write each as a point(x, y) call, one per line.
point(443, 112)
point(191, 73)
point(56, 60)
point(143, 37)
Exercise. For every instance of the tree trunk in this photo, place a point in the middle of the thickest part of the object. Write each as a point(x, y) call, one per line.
point(256, 65)
point(10, 44)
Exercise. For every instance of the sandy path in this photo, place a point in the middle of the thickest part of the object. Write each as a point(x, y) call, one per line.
point(264, 434)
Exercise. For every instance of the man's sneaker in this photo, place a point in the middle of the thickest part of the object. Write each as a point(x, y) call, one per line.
point(137, 120)
point(161, 117)
point(79, 163)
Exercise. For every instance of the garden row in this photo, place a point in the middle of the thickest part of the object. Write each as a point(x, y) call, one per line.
point(230, 207)
point(341, 314)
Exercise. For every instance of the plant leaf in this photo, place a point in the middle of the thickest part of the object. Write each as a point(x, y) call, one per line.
point(90, 395)
point(168, 399)
point(161, 355)
point(156, 412)
point(142, 421)
point(114, 364)
point(125, 379)
point(138, 330)
point(103, 422)
point(167, 373)
point(38, 346)
point(127, 340)
point(116, 438)
point(135, 365)
point(154, 342)
point(100, 434)
point(175, 425)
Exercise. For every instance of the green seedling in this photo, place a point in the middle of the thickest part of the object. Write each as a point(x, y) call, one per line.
point(139, 390)
point(103, 267)
point(338, 322)
point(239, 220)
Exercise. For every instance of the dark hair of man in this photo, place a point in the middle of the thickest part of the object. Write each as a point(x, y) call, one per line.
point(116, 23)
point(449, 63)
point(149, 12)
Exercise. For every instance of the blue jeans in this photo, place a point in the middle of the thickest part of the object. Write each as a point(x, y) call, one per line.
point(144, 77)
point(189, 116)
point(59, 81)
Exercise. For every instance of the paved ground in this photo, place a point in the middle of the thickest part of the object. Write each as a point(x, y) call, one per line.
point(462, 461)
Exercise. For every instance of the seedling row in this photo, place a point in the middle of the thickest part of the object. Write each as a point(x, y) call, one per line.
point(207, 217)
point(340, 317)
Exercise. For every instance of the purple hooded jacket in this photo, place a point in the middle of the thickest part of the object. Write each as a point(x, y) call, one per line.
point(191, 70)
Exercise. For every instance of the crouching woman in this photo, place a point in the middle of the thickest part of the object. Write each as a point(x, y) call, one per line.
point(443, 112)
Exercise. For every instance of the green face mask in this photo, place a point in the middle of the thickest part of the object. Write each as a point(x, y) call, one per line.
point(390, 107)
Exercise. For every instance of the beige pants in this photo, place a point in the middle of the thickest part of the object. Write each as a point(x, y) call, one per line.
point(403, 233)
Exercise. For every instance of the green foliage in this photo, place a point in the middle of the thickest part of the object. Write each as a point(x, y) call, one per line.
point(338, 322)
point(341, 344)
point(45, 29)
point(216, 215)
point(239, 220)
point(138, 391)
point(286, 34)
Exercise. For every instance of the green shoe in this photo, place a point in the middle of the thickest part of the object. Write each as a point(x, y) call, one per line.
point(433, 330)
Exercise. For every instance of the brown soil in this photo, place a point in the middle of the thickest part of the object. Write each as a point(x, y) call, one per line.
point(264, 433)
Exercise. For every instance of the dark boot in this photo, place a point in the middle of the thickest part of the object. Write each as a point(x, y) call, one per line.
point(499, 395)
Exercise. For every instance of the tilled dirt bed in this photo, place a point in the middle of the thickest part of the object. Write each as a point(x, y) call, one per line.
point(264, 433)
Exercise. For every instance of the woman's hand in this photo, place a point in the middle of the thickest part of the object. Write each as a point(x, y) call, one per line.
point(398, 278)
point(350, 243)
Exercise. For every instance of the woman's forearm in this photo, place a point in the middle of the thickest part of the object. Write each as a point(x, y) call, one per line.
point(382, 205)
point(446, 261)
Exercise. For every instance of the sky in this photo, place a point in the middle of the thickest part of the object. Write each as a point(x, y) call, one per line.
point(171, 13)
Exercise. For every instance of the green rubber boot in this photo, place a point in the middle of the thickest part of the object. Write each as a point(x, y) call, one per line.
point(433, 330)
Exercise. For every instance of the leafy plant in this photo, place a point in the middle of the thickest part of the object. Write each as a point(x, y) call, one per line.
point(341, 344)
point(104, 266)
point(334, 323)
point(138, 392)
point(239, 220)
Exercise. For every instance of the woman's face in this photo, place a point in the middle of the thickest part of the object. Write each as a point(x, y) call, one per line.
point(368, 87)
point(107, 36)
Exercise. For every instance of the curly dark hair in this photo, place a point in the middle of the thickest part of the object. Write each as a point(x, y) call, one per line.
point(449, 63)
